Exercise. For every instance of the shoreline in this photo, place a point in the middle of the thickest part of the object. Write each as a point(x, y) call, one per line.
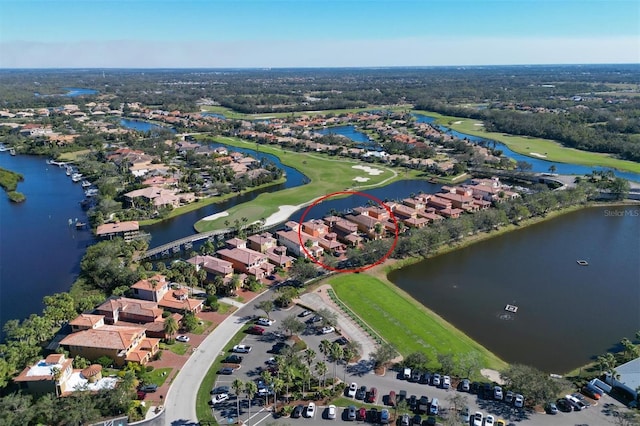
point(382, 271)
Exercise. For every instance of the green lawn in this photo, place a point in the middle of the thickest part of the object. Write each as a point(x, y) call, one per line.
point(157, 376)
point(525, 145)
point(202, 326)
point(404, 322)
point(224, 308)
point(327, 175)
point(229, 113)
point(177, 348)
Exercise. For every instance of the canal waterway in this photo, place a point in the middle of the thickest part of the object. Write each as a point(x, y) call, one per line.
point(538, 165)
point(349, 132)
point(39, 252)
point(567, 313)
point(143, 126)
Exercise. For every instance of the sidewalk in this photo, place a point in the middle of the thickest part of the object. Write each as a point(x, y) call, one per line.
point(320, 299)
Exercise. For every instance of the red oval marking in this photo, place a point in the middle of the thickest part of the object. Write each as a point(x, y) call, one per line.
point(362, 268)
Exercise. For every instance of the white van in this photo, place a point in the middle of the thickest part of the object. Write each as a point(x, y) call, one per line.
point(406, 373)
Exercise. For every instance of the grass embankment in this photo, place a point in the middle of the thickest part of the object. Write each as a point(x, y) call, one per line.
point(327, 175)
point(231, 114)
point(403, 321)
point(157, 376)
point(552, 150)
point(203, 409)
point(74, 155)
point(9, 182)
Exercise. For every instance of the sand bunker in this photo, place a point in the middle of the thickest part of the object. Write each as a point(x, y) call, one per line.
point(282, 215)
point(369, 170)
point(360, 179)
point(478, 124)
point(457, 122)
point(216, 216)
point(535, 154)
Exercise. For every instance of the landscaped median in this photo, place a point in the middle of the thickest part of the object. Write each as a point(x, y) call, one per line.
point(403, 321)
point(327, 175)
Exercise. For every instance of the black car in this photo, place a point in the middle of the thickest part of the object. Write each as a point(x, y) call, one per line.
point(149, 388)
point(373, 415)
point(425, 378)
point(551, 408)
point(341, 340)
point(220, 389)
point(233, 359)
point(297, 411)
point(361, 392)
point(413, 402)
point(278, 348)
point(465, 385)
point(226, 371)
point(415, 376)
point(475, 388)
point(564, 405)
point(416, 420)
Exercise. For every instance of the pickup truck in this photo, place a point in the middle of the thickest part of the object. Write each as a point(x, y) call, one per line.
point(241, 349)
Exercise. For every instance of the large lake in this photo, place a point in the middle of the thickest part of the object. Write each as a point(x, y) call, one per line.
point(567, 313)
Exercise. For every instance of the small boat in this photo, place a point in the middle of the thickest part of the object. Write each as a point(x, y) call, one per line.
point(80, 225)
point(511, 308)
point(91, 192)
point(76, 177)
point(86, 184)
point(582, 262)
point(12, 151)
point(69, 170)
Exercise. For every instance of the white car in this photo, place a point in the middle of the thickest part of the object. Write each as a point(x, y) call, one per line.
point(331, 412)
point(265, 322)
point(327, 330)
point(218, 398)
point(182, 338)
point(497, 393)
point(311, 410)
point(489, 420)
point(518, 401)
point(353, 388)
point(446, 382)
point(241, 349)
point(477, 418)
point(304, 313)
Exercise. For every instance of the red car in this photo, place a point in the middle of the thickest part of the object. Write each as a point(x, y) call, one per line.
point(254, 329)
point(372, 395)
point(361, 414)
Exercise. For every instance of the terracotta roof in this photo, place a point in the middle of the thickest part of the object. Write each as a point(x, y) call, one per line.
point(92, 370)
point(107, 337)
point(147, 284)
point(87, 320)
point(109, 228)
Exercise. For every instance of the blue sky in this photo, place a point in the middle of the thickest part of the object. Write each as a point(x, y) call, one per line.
point(316, 33)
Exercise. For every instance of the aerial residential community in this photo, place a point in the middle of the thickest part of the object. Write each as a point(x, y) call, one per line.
point(238, 223)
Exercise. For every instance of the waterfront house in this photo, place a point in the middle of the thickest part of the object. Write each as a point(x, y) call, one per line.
point(278, 257)
point(247, 261)
point(55, 375)
point(86, 322)
point(262, 242)
point(213, 265)
point(153, 288)
point(121, 344)
point(291, 240)
point(157, 289)
point(137, 311)
point(129, 230)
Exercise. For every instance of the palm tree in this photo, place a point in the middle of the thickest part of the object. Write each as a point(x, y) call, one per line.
point(170, 326)
point(237, 387)
point(277, 385)
point(309, 356)
point(321, 370)
point(250, 389)
point(267, 378)
point(336, 355)
point(629, 348)
point(325, 348)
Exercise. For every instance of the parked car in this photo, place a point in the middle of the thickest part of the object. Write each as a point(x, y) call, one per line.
point(564, 405)
point(425, 379)
point(220, 389)
point(149, 388)
point(518, 401)
point(372, 395)
point(353, 388)
point(413, 402)
point(304, 313)
point(404, 420)
point(219, 397)
point(351, 413)
point(361, 392)
point(595, 389)
point(278, 348)
point(465, 415)
point(435, 379)
point(501, 422)
point(551, 408)
point(581, 398)
point(241, 349)
point(297, 411)
point(233, 359)
point(423, 404)
point(590, 392)
point(508, 397)
point(265, 322)
point(361, 414)
point(327, 330)
point(341, 341)
point(415, 376)
point(478, 417)
point(434, 408)
point(373, 415)
point(384, 416)
point(391, 399)
point(311, 410)
point(431, 421)
point(497, 394)
point(406, 373)
point(402, 395)
point(331, 412)
point(575, 402)
point(182, 338)
point(465, 385)
point(489, 420)
point(446, 382)
point(254, 329)
point(416, 420)
point(225, 371)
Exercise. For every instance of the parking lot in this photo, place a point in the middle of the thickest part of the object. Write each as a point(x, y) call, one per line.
point(362, 373)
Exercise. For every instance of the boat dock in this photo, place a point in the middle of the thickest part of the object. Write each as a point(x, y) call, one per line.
point(511, 308)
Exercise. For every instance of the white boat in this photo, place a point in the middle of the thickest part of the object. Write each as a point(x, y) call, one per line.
point(76, 177)
point(511, 308)
point(69, 170)
point(91, 192)
point(582, 262)
point(86, 184)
